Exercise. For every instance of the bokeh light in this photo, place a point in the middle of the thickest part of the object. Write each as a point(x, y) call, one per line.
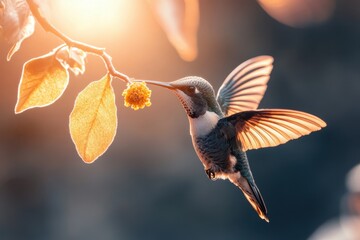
point(180, 21)
point(299, 13)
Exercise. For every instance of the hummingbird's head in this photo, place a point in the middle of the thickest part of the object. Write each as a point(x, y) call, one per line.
point(195, 94)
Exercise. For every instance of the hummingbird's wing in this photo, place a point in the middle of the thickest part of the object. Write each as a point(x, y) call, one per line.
point(245, 86)
point(271, 127)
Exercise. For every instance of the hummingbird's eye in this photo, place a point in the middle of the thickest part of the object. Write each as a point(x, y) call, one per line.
point(193, 89)
point(190, 90)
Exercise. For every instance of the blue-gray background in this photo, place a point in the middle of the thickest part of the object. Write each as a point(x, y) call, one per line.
point(150, 184)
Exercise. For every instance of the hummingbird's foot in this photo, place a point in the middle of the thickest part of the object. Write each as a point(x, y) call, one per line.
point(211, 174)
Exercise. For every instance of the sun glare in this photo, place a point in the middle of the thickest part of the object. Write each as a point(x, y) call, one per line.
point(91, 18)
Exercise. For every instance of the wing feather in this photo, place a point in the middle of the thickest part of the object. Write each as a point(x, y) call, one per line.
point(272, 127)
point(245, 86)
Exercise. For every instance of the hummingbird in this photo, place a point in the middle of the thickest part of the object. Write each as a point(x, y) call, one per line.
point(224, 126)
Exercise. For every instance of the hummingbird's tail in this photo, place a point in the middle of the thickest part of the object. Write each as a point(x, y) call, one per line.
point(252, 194)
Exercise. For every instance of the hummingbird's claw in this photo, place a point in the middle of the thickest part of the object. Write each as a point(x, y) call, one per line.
point(211, 174)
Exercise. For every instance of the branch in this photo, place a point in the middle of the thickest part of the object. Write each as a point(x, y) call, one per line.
point(34, 8)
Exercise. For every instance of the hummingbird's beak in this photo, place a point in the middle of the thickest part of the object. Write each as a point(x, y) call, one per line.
point(160, 84)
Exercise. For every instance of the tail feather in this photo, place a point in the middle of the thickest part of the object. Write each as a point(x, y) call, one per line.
point(257, 201)
point(252, 194)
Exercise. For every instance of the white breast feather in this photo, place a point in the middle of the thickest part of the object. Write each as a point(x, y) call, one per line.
point(204, 124)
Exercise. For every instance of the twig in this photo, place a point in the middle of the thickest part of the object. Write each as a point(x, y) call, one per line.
point(34, 8)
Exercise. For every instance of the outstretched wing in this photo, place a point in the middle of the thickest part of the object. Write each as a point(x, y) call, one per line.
point(271, 127)
point(245, 86)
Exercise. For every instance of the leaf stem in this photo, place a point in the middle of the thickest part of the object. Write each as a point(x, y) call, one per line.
point(47, 26)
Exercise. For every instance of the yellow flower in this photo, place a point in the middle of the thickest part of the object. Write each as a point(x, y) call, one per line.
point(137, 95)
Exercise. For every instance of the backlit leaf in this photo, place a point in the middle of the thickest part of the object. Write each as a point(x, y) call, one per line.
point(16, 23)
point(43, 81)
point(93, 121)
point(180, 21)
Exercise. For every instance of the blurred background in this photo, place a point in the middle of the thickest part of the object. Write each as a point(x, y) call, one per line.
point(150, 184)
